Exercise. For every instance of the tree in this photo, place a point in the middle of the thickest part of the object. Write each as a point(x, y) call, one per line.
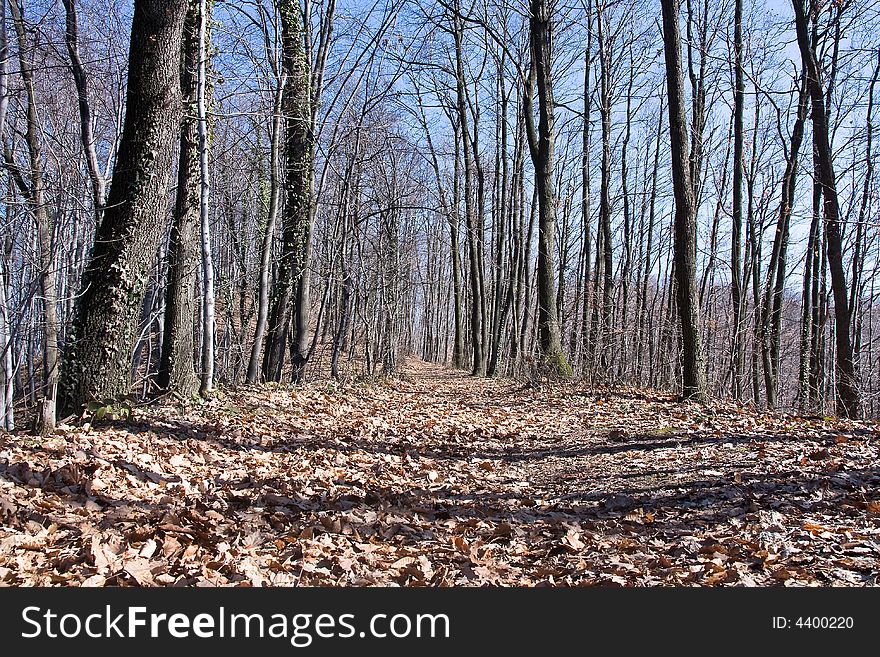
point(36, 194)
point(263, 289)
point(202, 102)
point(291, 298)
point(541, 147)
point(736, 284)
point(97, 359)
point(473, 219)
point(774, 288)
point(176, 373)
point(694, 378)
point(605, 248)
point(87, 129)
point(7, 410)
point(849, 402)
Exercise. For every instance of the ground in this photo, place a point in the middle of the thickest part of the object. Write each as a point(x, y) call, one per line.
point(436, 478)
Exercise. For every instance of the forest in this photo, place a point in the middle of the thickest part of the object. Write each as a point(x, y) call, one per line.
point(583, 291)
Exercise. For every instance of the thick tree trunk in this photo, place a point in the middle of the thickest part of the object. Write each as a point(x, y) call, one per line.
point(290, 306)
point(694, 381)
point(98, 358)
point(176, 374)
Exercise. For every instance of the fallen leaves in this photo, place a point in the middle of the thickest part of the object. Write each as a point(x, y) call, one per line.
point(442, 480)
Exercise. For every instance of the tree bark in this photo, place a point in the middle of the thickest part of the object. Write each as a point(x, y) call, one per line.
point(45, 420)
point(176, 373)
point(541, 148)
point(848, 402)
point(693, 379)
point(98, 358)
point(291, 301)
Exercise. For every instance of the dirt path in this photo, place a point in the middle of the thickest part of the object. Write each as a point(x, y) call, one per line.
point(437, 478)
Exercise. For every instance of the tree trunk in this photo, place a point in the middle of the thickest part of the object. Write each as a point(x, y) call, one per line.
point(268, 236)
point(647, 313)
point(694, 381)
point(176, 374)
point(98, 358)
point(87, 136)
point(45, 420)
point(473, 222)
point(7, 418)
point(858, 263)
point(499, 309)
point(541, 148)
point(586, 249)
point(202, 102)
point(776, 271)
point(736, 285)
point(291, 301)
point(848, 395)
point(607, 254)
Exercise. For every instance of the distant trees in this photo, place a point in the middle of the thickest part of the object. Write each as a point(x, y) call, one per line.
point(517, 190)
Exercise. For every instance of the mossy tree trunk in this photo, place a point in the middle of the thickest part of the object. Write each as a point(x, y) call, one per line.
point(176, 373)
point(97, 362)
point(541, 147)
point(290, 303)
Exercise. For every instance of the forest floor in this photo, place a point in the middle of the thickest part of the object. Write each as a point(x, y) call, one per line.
point(440, 479)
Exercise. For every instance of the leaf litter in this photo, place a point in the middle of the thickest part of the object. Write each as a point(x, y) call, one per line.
point(440, 479)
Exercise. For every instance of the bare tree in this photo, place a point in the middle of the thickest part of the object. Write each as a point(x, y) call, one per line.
point(694, 381)
point(36, 194)
point(202, 101)
point(87, 131)
point(848, 396)
point(541, 147)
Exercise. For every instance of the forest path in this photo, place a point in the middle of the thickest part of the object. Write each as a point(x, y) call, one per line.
point(439, 478)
